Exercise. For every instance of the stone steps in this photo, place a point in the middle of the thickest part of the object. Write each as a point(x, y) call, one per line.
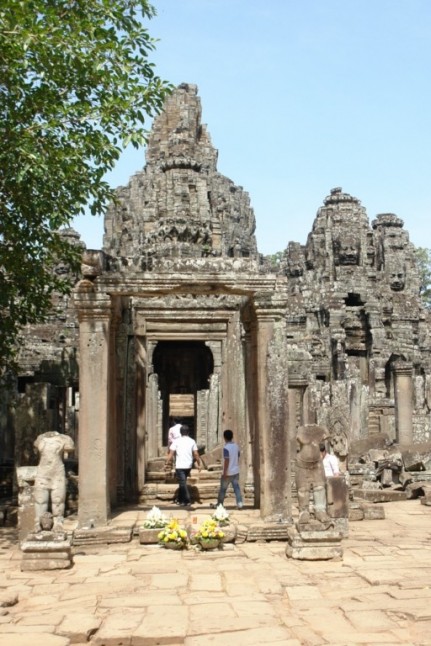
point(160, 486)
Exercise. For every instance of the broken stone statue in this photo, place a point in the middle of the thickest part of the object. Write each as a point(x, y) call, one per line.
point(50, 481)
point(314, 536)
point(310, 477)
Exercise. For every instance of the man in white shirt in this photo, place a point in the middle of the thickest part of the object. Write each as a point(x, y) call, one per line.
point(330, 462)
point(185, 451)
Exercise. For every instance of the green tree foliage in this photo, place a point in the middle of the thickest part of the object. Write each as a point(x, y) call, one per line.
point(274, 260)
point(423, 257)
point(76, 86)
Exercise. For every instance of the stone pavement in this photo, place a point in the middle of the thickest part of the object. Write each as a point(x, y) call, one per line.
point(248, 594)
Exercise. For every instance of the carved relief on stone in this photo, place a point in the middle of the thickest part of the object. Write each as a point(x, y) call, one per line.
point(387, 220)
point(396, 275)
point(346, 249)
point(180, 229)
point(295, 260)
point(299, 363)
point(180, 206)
point(338, 423)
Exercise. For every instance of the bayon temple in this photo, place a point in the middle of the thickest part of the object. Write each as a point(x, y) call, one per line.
point(179, 315)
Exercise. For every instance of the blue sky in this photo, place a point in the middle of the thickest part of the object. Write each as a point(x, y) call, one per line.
point(300, 96)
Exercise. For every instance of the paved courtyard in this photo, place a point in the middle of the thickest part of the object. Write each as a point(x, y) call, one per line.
point(248, 594)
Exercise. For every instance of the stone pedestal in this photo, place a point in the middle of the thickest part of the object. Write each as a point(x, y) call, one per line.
point(313, 545)
point(149, 536)
point(45, 551)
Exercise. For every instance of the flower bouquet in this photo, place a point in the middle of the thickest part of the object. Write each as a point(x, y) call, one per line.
point(155, 519)
point(209, 534)
point(173, 536)
point(150, 528)
point(221, 516)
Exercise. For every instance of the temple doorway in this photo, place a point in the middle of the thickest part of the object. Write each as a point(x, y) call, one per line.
point(184, 370)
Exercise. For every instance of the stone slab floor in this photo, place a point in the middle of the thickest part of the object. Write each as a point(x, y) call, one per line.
point(248, 595)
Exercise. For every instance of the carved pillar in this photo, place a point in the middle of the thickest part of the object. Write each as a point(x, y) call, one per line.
point(403, 388)
point(213, 412)
point(152, 434)
point(214, 435)
point(272, 408)
point(141, 371)
point(94, 315)
point(249, 351)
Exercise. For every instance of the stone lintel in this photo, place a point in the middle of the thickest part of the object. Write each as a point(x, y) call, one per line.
point(216, 283)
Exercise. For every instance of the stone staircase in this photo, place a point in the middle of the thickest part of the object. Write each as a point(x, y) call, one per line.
point(161, 486)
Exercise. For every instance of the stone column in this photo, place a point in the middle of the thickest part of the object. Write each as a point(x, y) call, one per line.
point(403, 390)
point(249, 355)
point(214, 430)
point(141, 360)
point(94, 315)
point(272, 408)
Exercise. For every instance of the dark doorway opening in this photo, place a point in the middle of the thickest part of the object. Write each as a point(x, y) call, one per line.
point(183, 368)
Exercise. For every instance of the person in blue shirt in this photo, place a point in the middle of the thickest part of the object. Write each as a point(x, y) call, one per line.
point(230, 472)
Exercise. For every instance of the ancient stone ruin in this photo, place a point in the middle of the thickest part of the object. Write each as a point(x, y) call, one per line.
point(179, 315)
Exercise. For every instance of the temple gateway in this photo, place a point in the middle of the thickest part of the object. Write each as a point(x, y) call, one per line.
point(179, 315)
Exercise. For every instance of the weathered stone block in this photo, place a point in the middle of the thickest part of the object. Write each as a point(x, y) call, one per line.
point(35, 564)
point(268, 532)
point(314, 545)
point(383, 495)
point(355, 513)
point(102, 535)
point(338, 497)
point(373, 512)
point(46, 555)
point(148, 536)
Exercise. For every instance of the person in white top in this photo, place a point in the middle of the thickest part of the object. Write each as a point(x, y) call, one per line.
point(330, 462)
point(174, 433)
point(230, 473)
point(185, 451)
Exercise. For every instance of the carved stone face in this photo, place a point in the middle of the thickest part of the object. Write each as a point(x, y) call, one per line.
point(346, 250)
point(397, 279)
point(62, 269)
point(295, 266)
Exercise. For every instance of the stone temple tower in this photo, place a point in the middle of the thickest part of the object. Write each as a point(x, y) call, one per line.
point(178, 318)
point(179, 206)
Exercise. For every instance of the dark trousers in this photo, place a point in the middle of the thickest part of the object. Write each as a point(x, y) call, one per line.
point(183, 494)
